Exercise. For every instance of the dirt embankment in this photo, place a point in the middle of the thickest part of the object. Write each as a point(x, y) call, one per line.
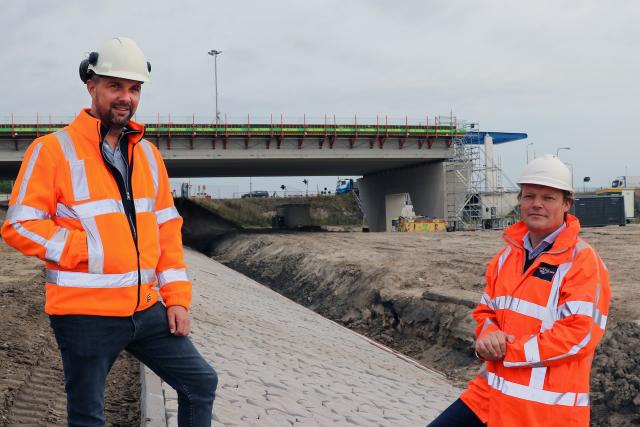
point(415, 293)
point(257, 212)
point(31, 376)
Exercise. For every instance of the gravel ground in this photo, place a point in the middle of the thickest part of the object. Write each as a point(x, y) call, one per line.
point(31, 377)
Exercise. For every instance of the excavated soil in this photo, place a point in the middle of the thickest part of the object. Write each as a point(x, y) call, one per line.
point(415, 293)
point(31, 376)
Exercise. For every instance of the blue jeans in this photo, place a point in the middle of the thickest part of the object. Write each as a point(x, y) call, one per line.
point(457, 415)
point(90, 345)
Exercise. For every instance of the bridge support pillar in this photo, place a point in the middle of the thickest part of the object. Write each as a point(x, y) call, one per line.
point(425, 184)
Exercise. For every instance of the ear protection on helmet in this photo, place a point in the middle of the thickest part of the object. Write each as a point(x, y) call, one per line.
point(86, 73)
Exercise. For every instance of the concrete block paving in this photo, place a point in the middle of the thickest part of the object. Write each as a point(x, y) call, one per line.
point(280, 364)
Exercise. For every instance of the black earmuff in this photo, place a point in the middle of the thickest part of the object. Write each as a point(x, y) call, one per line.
point(85, 73)
point(93, 58)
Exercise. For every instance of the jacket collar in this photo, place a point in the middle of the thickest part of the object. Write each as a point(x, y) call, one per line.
point(514, 235)
point(90, 128)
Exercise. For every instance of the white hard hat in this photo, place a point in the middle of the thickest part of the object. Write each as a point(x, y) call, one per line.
point(120, 57)
point(548, 171)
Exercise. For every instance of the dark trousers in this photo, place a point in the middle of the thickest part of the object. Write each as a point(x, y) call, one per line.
point(457, 415)
point(89, 346)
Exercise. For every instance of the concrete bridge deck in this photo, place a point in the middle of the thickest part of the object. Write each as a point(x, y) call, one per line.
point(281, 364)
point(272, 149)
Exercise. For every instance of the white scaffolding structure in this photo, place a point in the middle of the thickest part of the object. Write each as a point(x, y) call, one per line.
point(476, 198)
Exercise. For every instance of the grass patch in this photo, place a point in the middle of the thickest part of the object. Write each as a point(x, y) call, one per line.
point(257, 212)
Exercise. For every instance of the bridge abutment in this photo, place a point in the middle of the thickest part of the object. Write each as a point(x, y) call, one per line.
point(425, 184)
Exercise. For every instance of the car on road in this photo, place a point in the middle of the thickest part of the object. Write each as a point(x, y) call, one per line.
point(257, 193)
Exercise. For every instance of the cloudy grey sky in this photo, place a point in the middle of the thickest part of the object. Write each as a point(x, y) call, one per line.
point(565, 72)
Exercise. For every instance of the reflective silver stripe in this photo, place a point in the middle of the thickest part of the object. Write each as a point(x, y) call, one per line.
point(554, 295)
point(531, 351)
point(582, 399)
point(579, 247)
point(487, 301)
point(172, 275)
point(64, 211)
point(544, 314)
point(573, 350)
point(533, 394)
point(66, 144)
point(144, 205)
point(28, 172)
point(603, 264)
point(537, 377)
point(503, 258)
point(88, 280)
point(30, 234)
point(583, 308)
point(532, 356)
point(79, 181)
point(55, 245)
point(600, 320)
point(167, 214)
point(17, 213)
point(151, 159)
point(570, 308)
point(101, 207)
point(94, 245)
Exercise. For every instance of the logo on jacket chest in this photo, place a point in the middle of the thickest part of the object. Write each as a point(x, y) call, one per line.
point(545, 271)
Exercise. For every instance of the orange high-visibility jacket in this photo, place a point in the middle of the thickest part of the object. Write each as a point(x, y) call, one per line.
point(557, 311)
point(66, 209)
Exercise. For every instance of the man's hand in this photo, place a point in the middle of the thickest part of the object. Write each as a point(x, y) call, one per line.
point(493, 346)
point(179, 322)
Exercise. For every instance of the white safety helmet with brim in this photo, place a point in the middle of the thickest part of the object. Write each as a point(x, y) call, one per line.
point(548, 171)
point(119, 57)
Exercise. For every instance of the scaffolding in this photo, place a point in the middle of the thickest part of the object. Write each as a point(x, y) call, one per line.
point(475, 196)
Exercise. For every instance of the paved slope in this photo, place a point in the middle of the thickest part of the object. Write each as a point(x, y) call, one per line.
point(281, 364)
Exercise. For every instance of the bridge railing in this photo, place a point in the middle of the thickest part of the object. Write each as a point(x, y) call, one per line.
point(328, 119)
point(435, 127)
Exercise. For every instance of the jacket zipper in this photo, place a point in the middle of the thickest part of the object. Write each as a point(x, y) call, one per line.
point(134, 226)
point(126, 195)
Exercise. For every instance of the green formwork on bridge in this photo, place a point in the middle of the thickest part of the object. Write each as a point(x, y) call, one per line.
point(244, 130)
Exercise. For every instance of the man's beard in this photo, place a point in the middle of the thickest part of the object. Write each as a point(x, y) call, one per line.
point(111, 119)
point(115, 120)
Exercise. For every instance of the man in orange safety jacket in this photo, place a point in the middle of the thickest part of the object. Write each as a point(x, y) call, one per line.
point(93, 201)
point(542, 314)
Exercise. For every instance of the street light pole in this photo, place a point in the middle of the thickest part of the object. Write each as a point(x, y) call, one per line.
point(561, 148)
point(531, 143)
point(215, 54)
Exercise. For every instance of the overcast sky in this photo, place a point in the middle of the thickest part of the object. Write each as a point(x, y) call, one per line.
point(565, 72)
